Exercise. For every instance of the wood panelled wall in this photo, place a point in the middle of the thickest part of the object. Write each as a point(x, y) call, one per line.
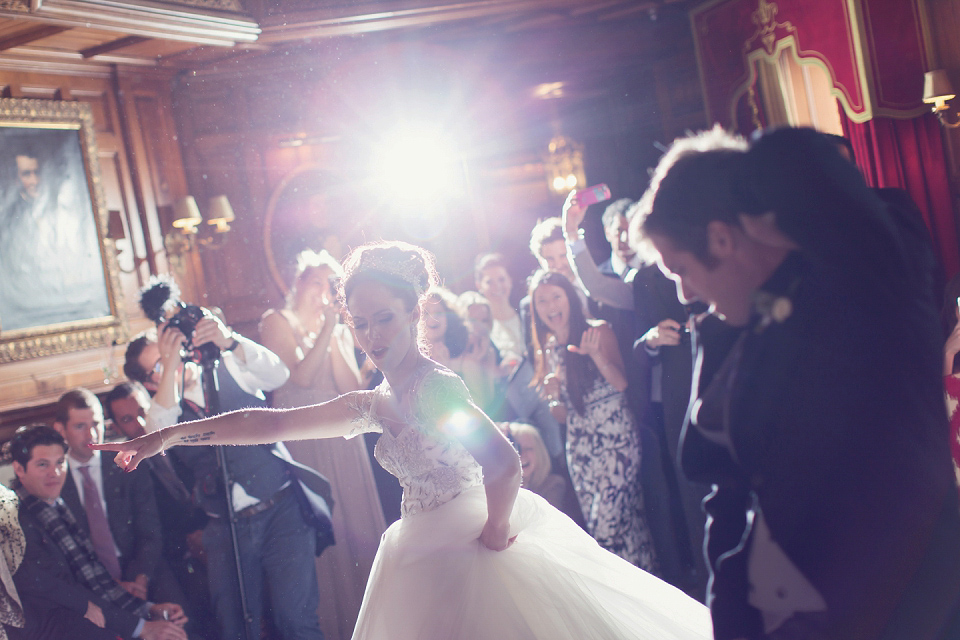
point(141, 169)
point(629, 88)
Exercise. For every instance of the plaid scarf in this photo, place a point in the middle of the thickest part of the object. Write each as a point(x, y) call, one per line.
point(60, 525)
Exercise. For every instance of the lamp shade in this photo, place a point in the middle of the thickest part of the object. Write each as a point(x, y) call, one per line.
point(186, 214)
point(220, 213)
point(937, 87)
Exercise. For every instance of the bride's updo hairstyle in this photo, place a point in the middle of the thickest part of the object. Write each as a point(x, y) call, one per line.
point(405, 270)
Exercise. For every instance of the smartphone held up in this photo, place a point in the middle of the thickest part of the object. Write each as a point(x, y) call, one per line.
point(592, 195)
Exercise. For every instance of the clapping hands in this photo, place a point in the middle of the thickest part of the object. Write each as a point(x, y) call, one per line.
point(589, 343)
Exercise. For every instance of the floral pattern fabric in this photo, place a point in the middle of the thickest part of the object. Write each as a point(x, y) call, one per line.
point(12, 544)
point(951, 387)
point(432, 467)
point(603, 457)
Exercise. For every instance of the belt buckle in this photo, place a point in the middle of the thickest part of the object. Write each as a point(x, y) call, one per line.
point(261, 506)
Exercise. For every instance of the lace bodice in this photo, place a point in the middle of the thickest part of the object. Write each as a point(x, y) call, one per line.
point(432, 467)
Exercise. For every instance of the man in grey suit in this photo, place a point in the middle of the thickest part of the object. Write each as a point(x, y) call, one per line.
point(116, 509)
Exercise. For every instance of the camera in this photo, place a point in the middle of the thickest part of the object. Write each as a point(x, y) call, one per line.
point(185, 320)
point(161, 296)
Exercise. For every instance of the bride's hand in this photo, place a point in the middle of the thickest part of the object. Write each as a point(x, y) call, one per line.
point(496, 536)
point(131, 452)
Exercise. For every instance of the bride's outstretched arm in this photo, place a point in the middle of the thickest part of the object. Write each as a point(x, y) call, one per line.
point(247, 426)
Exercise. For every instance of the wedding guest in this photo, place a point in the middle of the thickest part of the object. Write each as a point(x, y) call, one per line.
point(602, 444)
point(951, 371)
point(318, 349)
point(11, 555)
point(448, 342)
point(494, 283)
point(535, 463)
point(276, 540)
point(67, 591)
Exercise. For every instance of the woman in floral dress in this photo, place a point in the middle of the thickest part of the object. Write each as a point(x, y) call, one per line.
point(579, 358)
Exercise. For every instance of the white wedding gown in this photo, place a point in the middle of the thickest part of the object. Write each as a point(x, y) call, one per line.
point(433, 580)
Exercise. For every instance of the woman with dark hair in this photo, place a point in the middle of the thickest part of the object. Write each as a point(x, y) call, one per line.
point(474, 556)
point(603, 444)
point(445, 333)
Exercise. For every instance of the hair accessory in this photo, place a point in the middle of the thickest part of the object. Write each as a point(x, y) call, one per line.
point(409, 269)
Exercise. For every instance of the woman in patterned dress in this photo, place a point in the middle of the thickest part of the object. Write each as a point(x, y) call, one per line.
point(950, 317)
point(474, 557)
point(603, 444)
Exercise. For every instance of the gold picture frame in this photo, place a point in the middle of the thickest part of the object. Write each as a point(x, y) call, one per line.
point(59, 288)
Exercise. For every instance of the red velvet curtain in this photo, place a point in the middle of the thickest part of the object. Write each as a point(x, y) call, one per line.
point(909, 154)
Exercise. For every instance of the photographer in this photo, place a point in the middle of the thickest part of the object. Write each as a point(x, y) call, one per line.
point(154, 358)
point(275, 542)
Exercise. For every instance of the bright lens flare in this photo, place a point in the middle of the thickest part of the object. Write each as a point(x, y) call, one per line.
point(459, 424)
point(418, 165)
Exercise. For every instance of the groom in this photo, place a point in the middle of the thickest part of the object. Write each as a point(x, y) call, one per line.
point(822, 426)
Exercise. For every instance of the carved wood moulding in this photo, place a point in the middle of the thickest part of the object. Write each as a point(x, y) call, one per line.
point(22, 6)
point(220, 5)
point(212, 22)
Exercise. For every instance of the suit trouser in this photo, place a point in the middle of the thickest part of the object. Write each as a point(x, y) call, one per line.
point(277, 555)
point(56, 623)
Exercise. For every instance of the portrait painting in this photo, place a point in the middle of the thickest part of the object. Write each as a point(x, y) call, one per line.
point(55, 279)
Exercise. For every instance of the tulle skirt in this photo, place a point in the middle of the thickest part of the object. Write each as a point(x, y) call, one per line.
point(433, 580)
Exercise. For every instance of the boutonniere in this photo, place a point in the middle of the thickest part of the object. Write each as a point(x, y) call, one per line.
point(771, 309)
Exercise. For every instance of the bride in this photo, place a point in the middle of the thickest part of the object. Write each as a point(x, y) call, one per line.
point(474, 556)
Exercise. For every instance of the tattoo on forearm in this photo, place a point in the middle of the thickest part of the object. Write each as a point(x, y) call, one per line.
point(196, 437)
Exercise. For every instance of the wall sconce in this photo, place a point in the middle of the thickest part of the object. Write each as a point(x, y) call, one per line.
point(937, 90)
point(116, 232)
point(563, 165)
point(115, 225)
point(220, 214)
point(186, 217)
